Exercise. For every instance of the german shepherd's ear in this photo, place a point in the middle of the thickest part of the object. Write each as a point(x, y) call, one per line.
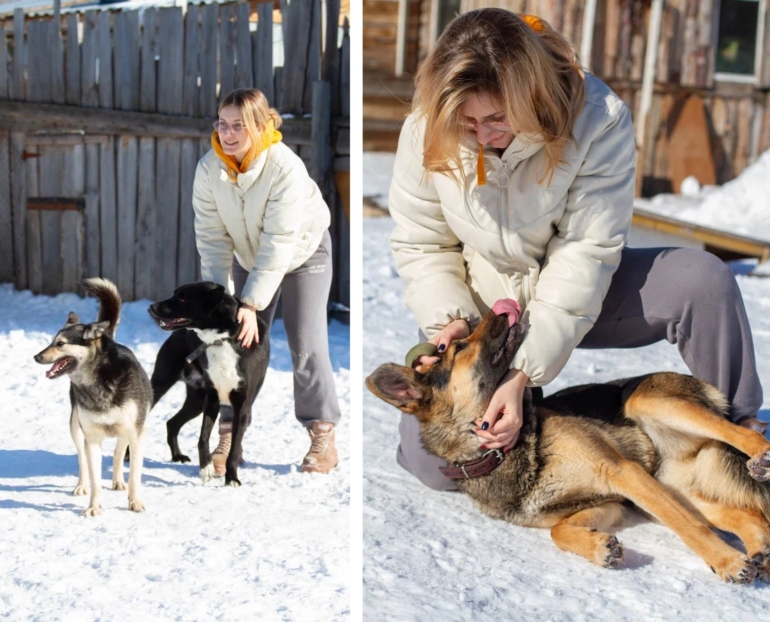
point(72, 318)
point(95, 330)
point(399, 386)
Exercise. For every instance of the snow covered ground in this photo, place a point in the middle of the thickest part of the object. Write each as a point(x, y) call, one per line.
point(275, 549)
point(433, 556)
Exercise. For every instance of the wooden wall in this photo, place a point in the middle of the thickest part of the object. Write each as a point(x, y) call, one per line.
point(380, 20)
point(115, 108)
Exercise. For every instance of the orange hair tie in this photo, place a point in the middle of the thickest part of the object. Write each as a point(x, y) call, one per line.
point(481, 176)
point(534, 22)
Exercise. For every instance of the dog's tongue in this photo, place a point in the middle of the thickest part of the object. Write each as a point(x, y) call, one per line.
point(55, 367)
point(507, 307)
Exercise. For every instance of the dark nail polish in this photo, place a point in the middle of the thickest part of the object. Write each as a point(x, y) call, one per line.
point(485, 425)
point(442, 347)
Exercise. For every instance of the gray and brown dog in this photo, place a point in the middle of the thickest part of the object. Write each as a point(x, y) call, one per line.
point(661, 441)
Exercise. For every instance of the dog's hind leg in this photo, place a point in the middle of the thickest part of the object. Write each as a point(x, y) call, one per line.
point(240, 423)
point(583, 533)
point(630, 480)
point(192, 407)
point(210, 414)
point(135, 444)
point(77, 436)
point(659, 414)
point(117, 463)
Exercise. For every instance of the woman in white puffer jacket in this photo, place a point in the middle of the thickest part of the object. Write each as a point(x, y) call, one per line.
point(261, 227)
point(514, 178)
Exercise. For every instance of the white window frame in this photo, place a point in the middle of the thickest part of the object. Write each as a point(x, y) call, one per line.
point(738, 77)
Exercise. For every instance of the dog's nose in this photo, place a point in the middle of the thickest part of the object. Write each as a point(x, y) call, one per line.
point(37, 358)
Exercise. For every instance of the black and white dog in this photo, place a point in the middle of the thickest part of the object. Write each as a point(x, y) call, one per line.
point(213, 365)
point(110, 395)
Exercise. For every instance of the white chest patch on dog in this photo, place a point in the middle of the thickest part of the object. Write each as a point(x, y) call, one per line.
point(223, 364)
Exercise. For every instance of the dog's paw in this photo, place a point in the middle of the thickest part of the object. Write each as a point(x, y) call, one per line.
point(80, 489)
point(207, 473)
point(118, 484)
point(233, 483)
point(762, 562)
point(94, 510)
point(759, 466)
point(180, 458)
point(615, 553)
point(136, 506)
point(738, 569)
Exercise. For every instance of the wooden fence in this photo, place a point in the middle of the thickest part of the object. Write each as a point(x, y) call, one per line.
point(104, 115)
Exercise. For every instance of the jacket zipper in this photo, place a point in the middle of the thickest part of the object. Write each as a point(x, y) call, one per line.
point(503, 181)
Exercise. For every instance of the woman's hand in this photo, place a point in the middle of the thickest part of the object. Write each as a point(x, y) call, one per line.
point(456, 329)
point(501, 423)
point(247, 317)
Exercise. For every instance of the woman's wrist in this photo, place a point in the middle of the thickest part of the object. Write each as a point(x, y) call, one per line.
point(249, 307)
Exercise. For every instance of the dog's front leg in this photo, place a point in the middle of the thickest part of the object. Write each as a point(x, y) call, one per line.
point(135, 445)
point(210, 414)
point(77, 436)
point(240, 422)
point(585, 533)
point(93, 449)
point(117, 464)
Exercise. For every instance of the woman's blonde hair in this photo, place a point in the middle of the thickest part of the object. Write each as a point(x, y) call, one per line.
point(255, 111)
point(519, 61)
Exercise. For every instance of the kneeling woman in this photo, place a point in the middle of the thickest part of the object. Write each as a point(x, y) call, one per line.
point(261, 227)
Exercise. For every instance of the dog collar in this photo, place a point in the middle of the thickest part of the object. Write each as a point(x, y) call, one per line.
point(200, 350)
point(421, 349)
point(488, 462)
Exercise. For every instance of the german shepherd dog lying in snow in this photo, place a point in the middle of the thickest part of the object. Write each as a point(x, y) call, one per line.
point(109, 392)
point(210, 361)
point(661, 441)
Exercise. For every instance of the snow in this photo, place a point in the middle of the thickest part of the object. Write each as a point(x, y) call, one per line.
point(740, 206)
point(432, 555)
point(276, 548)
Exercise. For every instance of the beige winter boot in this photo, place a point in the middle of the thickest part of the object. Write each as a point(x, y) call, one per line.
point(219, 455)
point(322, 456)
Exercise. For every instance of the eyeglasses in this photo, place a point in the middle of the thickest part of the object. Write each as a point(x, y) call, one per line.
point(492, 126)
point(223, 128)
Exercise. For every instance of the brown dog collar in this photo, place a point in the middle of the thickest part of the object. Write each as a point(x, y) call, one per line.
point(488, 462)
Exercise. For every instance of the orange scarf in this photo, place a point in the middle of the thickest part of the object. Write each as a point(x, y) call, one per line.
point(537, 25)
point(269, 137)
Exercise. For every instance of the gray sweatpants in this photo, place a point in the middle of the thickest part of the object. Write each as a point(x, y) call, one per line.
point(305, 292)
point(688, 297)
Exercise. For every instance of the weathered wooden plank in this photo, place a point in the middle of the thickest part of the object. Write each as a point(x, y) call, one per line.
point(147, 95)
point(278, 88)
point(297, 20)
point(226, 50)
point(108, 217)
point(18, 189)
point(38, 117)
point(330, 50)
point(208, 59)
point(244, 76)
point(51, 171)
point(322, 153)
point(38, 76)
point(313, 68)
point(127, 61)
point(33, 230)
point(191, 99)
point(72, 230)
point(17, 90)
point(345, 75)
point(127, 177)
point(188, 253)
point(6, 210)
point(89, 89)
point(171, 65)
point(56, 60)
point(72, 62)
point(93, 244)
point(145, 266)
point(262, 61)
point(167, 198)
point(3, 64)
point(104, 50)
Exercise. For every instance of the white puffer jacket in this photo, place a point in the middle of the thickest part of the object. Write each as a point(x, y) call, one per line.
point(553, 248)
point(272, 218)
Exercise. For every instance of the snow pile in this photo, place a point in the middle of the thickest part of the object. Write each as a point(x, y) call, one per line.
point(741, 206)
point(378, 172)
point(276, 548)
point(432, 555)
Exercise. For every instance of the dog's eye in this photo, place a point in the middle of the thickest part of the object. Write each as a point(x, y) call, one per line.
point(59, 344)
point(460, 346)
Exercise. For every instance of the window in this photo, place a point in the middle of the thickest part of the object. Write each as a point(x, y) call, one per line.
point(739, 38)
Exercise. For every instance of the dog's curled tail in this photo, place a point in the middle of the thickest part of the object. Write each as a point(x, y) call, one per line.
point(109, 301)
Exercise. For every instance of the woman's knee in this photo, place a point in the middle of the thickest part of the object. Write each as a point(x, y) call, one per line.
point(702, 275)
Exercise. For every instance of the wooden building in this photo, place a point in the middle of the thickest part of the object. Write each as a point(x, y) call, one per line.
point(706, 109)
